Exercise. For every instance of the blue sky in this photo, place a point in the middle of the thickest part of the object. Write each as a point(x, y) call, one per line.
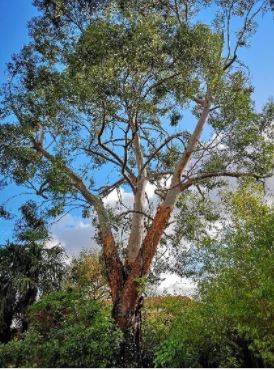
point(14, 15)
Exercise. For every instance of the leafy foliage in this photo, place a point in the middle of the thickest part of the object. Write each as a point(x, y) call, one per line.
point(27, 269)
point(86, 274)
point(159, 315)
point(233, 324)
point(66, 330)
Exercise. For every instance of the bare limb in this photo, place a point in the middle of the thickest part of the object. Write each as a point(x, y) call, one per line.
point(152, 155)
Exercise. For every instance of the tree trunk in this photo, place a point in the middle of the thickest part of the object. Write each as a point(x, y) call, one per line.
point(5, 332)
point(131, 326)
point(127, 308)
point(127, 302)
point(5, 328)
point(7, 311)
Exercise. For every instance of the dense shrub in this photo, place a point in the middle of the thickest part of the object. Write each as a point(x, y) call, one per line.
point(158, 316)
point(66, 330)
point(232, 326)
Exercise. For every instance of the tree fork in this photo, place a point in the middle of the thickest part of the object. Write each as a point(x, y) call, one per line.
point(140, 267)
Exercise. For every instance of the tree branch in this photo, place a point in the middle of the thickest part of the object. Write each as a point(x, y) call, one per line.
point(112, 260)
point(208, 175)
point(152, 155)
point(137, 229)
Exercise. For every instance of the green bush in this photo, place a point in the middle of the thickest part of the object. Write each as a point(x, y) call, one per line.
point(66, 330)
point(232, 326)
point(159, 314)
point(198, 338)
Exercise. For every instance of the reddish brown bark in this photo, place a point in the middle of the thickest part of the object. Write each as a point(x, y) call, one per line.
point(153, 237)
point(140, 268)
point(113, 265)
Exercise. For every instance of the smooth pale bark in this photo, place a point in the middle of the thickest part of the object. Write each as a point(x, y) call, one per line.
point(175, 190)
point(136, 235)
point(137, 225)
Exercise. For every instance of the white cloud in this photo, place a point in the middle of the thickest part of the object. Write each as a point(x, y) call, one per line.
point(175, 285)
point(150, 190)
point(74, 234)
point(269, 188)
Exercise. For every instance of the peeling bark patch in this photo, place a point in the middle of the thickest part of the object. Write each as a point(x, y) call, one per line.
point(129, 298)
point(109, 244)
point(113, 265)
point(154, 235)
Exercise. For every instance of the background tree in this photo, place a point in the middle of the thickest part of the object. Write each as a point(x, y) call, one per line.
point(27, 269)
point(102, 88)
point(86, 274)
point(232, 325)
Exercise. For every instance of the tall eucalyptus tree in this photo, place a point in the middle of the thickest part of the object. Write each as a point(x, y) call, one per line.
point(95, 104)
